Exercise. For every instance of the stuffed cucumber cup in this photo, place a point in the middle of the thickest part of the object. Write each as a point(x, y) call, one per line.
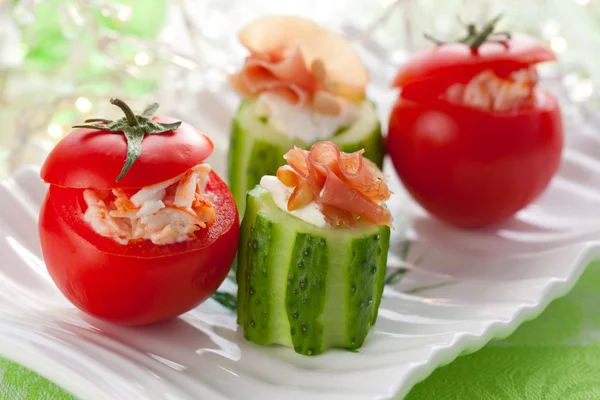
point(296, 92)
point(313, 252)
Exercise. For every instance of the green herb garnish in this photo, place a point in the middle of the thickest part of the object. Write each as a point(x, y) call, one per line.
point(227, 300)
point(395, 276)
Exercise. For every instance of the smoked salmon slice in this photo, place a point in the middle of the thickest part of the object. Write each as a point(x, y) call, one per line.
point(300, 61)
point(347, 187)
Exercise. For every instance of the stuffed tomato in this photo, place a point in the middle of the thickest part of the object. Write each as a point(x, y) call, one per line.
point(472, 136)
point(136, 228)
point(313, 252)
point(301, 83)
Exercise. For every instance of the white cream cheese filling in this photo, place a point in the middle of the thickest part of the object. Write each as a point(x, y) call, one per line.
point(281, 193)
point(305, 123)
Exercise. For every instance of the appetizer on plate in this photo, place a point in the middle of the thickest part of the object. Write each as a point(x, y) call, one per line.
point(301, 83)
point(472, 135)
point(135, 227)
point(313, 251)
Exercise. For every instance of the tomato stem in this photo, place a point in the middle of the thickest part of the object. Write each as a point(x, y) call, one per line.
point(126, 110)
point(475, 37)
point(133, 127)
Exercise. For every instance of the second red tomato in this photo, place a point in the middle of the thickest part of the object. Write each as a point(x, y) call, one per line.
point(472, 137)
point(470, 168)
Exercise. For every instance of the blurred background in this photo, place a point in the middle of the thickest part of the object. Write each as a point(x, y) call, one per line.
point(61, 60)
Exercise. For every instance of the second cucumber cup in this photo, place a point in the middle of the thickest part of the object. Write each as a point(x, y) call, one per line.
point(301, 83)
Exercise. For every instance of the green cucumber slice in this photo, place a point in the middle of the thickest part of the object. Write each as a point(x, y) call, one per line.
point(256, 148)
point(307, 287)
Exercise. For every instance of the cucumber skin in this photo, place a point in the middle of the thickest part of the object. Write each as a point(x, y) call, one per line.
point(367, 275)
point(306, 287)
point(235, 150)
point(256, 329)
point(305, 297)
point(266, 156)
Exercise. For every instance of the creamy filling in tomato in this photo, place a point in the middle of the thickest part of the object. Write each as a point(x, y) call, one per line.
point(491, 92)
point(167, 212)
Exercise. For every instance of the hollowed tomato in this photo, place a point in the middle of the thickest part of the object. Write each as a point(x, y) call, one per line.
point(469, 166)
point(139, 282)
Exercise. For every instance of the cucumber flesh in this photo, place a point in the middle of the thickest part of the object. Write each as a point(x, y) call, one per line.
point(256, 148)
point(306, 287)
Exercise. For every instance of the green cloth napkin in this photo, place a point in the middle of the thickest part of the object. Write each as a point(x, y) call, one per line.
point(555, 357)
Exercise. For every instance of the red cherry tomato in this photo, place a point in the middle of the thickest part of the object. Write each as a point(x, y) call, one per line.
point(472, 167)
point(138, 283)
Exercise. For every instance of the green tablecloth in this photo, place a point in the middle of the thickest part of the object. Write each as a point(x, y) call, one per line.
point(555, 357)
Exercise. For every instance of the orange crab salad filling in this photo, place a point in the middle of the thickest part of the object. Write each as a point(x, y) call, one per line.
point(166, 212)
point(488, 91)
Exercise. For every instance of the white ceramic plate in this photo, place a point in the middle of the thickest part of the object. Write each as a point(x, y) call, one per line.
point(459, 290)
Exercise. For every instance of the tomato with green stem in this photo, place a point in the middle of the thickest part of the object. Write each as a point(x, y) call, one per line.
point(471, 166)
point(138, 282)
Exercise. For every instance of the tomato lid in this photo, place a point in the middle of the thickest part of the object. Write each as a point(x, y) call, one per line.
point(447, 60)
point(94, 157)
